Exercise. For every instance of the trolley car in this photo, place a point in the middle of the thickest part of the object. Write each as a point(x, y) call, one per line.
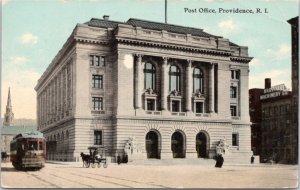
point(28, 150)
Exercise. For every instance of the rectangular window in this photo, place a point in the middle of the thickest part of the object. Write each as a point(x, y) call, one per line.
point(232, 74)
point(97, 137)
point(175, 106)
point(233, 110)
point(233, 92)
point(96, 60)
point(97, 103)
point(150, 105)
point(98, 81)
point(235, 140)
point(235, 74)
point(199, 107)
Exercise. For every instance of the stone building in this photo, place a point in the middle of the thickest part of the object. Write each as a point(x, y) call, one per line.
point(294, 22)
point(147, 89)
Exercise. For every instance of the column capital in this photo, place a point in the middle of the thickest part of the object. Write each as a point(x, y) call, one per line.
point(213, 64)
point(138, 55)
point(189, 63)
point(165, 59)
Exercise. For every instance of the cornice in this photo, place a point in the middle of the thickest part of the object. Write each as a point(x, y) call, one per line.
point(174, 46)
point(241, 59)
point(91, 40)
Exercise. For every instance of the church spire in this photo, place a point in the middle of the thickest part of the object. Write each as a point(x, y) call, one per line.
point(9, 115)
point(8, 99)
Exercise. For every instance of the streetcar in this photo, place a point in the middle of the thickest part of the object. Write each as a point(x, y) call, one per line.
point(28, 151)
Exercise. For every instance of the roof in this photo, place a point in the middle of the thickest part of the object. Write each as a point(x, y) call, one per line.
point(32, 134)
point(294, 21)
point(14, 130)
point(102, 23)
point(168, 27)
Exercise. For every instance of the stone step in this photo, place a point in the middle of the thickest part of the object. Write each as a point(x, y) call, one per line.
point(175, 161)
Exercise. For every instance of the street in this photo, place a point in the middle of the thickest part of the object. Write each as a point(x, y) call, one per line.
point(71, 175)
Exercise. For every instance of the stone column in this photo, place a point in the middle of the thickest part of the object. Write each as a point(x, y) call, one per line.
point(212, 88)
point(137, 87)
point(164, 84)
point(188, 85)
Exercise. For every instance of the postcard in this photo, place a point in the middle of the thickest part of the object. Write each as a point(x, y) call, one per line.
point(149, 94)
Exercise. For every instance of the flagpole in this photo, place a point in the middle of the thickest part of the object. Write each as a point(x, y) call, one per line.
point(166, 11)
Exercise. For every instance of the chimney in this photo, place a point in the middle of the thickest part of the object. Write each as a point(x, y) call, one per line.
point(105, 17)
point(267, 83)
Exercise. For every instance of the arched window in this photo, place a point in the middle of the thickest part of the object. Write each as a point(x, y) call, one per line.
point(150, 76)
point(198, 80)
point(174, 76)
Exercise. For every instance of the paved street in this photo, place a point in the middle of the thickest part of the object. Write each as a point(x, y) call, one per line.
point(70, 175)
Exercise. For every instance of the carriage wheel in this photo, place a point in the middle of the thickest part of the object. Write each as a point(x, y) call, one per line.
point(105, 165)
point(93, 164)
point(99, 164)
point(86, 164)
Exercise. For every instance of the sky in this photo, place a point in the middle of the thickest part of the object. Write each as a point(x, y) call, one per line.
point(33, 31)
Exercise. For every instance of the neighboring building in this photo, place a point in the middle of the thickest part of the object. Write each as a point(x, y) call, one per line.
point(276, 128)
point(295, 84)
point(9, 129)
point(255, 118)
point(148, 90)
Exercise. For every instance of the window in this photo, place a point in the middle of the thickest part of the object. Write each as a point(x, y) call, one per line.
point(174, 78)
point(150, 105)
point(233, 92)
point(96, 60)
point(98, 81)
point(288, 107)
point(97, 137)
point(198, 80)
point(199, 107)
point(275, 110)
point(175, 106)
point(235, 74)
point(235, 140)
point(233, 110)
point(97, 103)
point(150, 76)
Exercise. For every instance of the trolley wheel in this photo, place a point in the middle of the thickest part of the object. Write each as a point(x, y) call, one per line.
point(105, 165)
point(86, 164)
point(99, 164)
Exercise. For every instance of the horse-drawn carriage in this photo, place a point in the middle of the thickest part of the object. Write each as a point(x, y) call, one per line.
point(94, 158)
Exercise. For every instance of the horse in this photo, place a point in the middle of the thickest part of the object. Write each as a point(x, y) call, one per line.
point(85, 157)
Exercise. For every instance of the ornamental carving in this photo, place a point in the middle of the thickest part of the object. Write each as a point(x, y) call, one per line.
point(150, 91)
point(174, 93)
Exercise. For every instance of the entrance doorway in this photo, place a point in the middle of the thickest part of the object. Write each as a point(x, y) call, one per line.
point(201, 145)
point(152, 145)
point(178, 145)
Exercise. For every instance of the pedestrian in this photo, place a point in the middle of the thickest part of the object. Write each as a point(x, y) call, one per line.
point(252, 159)
point(219, 161)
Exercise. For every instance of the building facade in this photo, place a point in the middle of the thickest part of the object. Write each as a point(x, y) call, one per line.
point(294, 22)
point(145, 89)
point(276, 127)
point(255, 118)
